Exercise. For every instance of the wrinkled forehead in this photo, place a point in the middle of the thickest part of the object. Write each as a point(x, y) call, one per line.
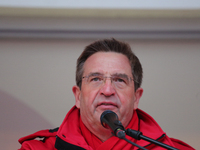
point(107, 63)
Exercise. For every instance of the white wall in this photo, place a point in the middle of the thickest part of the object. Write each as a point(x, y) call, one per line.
point(36, 77)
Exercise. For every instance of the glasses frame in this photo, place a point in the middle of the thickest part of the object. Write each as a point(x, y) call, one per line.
point(112, 77)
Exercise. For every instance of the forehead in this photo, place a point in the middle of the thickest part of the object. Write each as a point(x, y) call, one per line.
point(107, 63)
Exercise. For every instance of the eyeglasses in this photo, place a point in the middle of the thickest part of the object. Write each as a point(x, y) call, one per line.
point(96, 80)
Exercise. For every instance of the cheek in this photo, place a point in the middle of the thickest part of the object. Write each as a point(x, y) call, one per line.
point(127, 99)
point(87, 98)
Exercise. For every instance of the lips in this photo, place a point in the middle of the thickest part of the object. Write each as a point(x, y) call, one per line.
point(111, 104)
point(105, 104)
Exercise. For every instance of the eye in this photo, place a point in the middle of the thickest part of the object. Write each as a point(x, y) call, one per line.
point(117, 79)
point(121, 80)
point(95, 79)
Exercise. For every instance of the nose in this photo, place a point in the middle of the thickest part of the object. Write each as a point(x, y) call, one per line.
point(107, 88)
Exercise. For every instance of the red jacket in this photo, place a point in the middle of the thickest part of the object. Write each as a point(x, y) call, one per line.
point(70, 137)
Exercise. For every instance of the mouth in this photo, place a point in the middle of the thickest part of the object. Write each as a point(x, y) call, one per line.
point(107, 105)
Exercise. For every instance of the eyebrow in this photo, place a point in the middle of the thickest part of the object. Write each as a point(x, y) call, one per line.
point(122, 75)
point(95, 74)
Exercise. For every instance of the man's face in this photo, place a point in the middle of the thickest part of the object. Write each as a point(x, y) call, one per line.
point(94, 100)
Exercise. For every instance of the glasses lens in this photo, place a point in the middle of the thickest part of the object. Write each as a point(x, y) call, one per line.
point(119, 81)
point(95, 81)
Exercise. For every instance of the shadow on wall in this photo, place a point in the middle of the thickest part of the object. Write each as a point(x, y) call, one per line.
point(17, 120)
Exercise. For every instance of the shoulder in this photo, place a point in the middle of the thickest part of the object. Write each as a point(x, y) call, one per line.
point(43, 139)
point(150, 124)
point(181, 145)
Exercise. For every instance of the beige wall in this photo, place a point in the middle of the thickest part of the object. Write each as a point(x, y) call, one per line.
point(36, 77)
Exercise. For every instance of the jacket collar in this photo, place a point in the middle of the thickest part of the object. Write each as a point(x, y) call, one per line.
point(70, 131)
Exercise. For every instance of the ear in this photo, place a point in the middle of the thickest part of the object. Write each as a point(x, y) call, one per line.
point(138, 95)
point(77, 93)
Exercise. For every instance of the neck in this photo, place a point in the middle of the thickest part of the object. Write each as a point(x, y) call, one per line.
point(103, 134)
point(98, 130)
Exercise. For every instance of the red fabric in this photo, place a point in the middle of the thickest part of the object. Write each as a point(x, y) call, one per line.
point(69, 130)
point(181, 145)
point(73, 131)
point(28, 142)
point(113, 143)
point(48, 144)
point(41, 133)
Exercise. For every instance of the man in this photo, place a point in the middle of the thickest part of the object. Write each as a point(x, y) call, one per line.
point(108, 77)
